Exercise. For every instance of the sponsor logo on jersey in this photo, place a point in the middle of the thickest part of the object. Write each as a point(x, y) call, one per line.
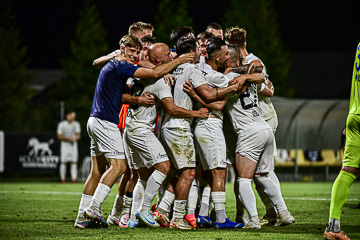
point(178, 71)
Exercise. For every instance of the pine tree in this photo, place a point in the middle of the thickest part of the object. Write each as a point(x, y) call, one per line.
point(89, 43)
point(170, 16)
point(14, 89)
point(259, 19)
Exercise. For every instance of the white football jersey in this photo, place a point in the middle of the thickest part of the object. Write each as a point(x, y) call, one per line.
point(266, 107)
point(215, 79)
point(142, 119)
point(183, 73)
point(243, 110)
point(68, 130)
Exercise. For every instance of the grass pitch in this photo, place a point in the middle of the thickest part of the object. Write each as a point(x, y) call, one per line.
point(48, 210)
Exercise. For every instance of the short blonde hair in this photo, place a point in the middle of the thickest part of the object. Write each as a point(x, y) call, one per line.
point(236, 36)
point(131, 41)
point(139, 26)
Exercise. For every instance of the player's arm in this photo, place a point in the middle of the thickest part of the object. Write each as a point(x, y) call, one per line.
point(163, 69)
point(67, 139)
point(268, 90)
point(213, 94)
point(146, 99)
point(215, 105)
point(179, 112)
point(101, 61)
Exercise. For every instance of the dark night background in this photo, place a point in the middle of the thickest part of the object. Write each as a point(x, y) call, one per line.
point(321, 35)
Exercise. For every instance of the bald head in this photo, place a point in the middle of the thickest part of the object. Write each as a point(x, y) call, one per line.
point(159, 53)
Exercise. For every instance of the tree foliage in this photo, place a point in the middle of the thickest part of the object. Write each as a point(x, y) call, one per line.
point(259, 19)
point(15, 92)
point(89, 43)
point(171, 14)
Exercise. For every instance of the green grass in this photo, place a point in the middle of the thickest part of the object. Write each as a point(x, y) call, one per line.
point(48, 210)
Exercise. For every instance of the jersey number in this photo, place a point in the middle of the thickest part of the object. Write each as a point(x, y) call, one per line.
point(246, 102)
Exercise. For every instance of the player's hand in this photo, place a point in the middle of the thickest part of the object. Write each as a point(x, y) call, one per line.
point(203, 112)
point(147, 100)
point(227, 70)
point(169, 79)
point(189, 89)
point(256, 63)
point(238, 80)
point(120, 57)
point(186, 57)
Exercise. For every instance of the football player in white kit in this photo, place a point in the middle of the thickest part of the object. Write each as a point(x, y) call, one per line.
point(254, 153)
point(210, 138)
point(238, 36)
point(145, 150)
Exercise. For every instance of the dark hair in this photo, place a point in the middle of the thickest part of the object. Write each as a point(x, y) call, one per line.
point(147, 38)
point(180, 32)
point(69, 111)
point(204, 35)
point(214, 46)
point(214, 25)
point(185, 45)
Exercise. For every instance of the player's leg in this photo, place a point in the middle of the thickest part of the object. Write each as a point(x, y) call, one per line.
point(346, 177)
point(191, 203)
point(162, 211)
point(74, 172)
point(114, 217)
point(107, 180)
point(245, 169)
point(98, 167)
point(62, 171)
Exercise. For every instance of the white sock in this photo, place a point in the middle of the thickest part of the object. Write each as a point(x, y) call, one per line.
point(179, 209)
point(192, 197)
point(160, 194)
point(73, 171)
point(247, 197)
point(138, 194)
point(274, 178)
point(240, 208)
point(270, 208)
point(117, 207)
point(153, 184)
point(205, 202)
point(272, 191)
point(219, 200)
point(127, 202)
point(101, 192)
point(62, 171)
point(167, 201)
point(84, 203)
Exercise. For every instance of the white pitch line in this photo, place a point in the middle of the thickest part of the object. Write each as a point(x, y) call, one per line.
point(79, 193)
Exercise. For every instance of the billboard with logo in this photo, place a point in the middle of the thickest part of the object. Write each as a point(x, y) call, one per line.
point(37, 153)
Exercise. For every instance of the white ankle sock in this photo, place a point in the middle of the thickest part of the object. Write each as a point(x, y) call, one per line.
point(101, 192)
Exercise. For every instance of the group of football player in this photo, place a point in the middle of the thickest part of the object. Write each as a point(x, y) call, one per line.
point(168, 140)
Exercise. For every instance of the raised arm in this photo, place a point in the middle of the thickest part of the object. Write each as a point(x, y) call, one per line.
point(101, 61)
point(179, 112)
point(163, 69)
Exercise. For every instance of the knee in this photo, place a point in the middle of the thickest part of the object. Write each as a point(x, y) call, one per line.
point(352, 170)
point(189, 174)
point(163, 167)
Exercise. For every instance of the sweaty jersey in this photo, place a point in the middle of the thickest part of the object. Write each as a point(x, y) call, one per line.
point(143, 118)
point(109, 89)
point(183, 73)
point(266, 107)
point(355, 85)
point(243, 110)
point(215, 79)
